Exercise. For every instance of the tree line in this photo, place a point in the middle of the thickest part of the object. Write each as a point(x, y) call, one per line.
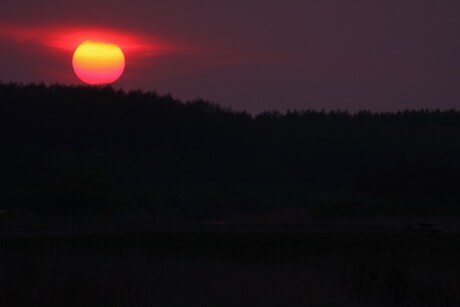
point(98, 151)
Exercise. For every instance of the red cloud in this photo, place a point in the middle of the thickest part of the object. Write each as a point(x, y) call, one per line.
point(68, 38)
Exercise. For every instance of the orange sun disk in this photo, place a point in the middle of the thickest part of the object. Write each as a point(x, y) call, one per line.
point(98, 63)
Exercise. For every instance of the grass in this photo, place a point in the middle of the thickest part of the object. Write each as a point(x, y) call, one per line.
point(230, 269)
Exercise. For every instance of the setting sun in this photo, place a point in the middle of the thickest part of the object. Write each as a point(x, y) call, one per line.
point(98, 63)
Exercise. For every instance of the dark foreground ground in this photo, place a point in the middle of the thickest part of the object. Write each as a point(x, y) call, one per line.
point(230, 269)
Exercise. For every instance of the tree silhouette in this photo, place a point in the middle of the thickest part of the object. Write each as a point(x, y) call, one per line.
point(202, 161)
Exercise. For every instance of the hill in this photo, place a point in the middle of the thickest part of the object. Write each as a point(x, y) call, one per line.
point(79, 151)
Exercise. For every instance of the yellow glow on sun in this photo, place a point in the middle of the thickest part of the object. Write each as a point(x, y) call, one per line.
point(98, 63)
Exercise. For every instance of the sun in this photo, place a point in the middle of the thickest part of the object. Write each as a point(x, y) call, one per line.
point(98, 63)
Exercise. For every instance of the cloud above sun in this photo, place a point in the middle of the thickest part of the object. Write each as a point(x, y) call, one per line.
point(69, 38)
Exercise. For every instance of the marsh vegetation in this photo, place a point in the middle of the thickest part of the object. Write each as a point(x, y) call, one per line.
point(230, 269)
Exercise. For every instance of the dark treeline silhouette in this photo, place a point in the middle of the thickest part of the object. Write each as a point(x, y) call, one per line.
point(96, 151)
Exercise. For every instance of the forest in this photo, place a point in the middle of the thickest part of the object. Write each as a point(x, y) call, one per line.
point(93, 152)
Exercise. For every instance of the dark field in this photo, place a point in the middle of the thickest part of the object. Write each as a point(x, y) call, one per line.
point(230, 269)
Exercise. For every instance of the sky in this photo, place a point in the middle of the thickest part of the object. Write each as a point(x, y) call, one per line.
point(253, 55)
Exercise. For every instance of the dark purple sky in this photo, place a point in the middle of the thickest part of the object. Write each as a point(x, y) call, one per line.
point(257, 54)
